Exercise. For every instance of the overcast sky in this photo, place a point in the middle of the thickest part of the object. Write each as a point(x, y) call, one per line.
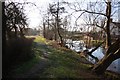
point(35, 13)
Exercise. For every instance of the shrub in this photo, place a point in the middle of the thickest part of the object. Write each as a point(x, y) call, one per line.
point(17, 51)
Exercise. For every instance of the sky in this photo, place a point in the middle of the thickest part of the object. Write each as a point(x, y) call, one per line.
point(35, 13)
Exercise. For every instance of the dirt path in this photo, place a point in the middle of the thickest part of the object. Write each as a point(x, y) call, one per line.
point(38, 68)
point(37, 71)
point(34, 71)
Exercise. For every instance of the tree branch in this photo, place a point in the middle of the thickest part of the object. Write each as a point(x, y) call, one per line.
point(91, 12)
point(79, 17)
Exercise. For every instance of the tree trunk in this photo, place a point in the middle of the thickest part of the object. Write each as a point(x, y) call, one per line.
point(4, 40)
point(90, 53)
point(44, 35)
point(61, 39)
point(21, 32)
point(55, 34)
point(113, 54)
point(15, 31)
point(95, 48)
point(113, 47)
point(108, 14)
point(58, 26)
point(3, 21)
point(8, 33)
point(102, 65)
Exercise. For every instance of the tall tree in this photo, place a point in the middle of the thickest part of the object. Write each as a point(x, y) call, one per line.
point(113, 51)
point(15, 19)
point(55, 10)
point(97, 13)
point(44, 29)
point(108, 15)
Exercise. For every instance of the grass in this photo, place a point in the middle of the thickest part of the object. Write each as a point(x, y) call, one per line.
point(60, 72)
point(112, 75)
point(63, 63)
point(96, 42)
point(26, 66)
point(40, 39)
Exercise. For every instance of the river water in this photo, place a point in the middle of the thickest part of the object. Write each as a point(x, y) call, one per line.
point(79, 46)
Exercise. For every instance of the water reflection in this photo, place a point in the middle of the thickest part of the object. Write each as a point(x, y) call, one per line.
point(79, 46)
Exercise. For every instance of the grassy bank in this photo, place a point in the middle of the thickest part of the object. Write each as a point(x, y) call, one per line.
point(61, 62)
point(26, 66)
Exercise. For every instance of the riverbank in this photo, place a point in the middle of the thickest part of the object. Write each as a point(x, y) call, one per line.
point(53, 61)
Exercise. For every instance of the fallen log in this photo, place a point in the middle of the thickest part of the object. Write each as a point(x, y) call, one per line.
point(113, 53)
point(90, 53)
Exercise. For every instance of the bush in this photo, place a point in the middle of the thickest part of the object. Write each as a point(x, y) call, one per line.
point(96, 42)
point(17, 51)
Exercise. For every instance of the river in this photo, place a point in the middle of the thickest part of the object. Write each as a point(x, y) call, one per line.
point(79, 46)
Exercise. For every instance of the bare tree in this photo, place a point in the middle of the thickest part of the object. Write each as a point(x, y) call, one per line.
point(56, 10)
point(113, 51)
point(44, 29)
point(107, 15)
